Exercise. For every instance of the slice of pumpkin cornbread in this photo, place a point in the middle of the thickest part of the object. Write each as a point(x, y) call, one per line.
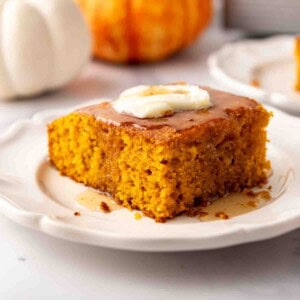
point(164, 166)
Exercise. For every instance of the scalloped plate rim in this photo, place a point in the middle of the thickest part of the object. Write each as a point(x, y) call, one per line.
point(49, 225)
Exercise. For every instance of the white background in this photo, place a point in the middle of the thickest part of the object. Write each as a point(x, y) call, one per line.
point(36, 266)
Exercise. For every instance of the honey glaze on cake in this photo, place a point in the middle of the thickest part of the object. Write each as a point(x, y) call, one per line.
point(223, 103)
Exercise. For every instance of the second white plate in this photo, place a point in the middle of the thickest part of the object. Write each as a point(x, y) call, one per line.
point(267, 62)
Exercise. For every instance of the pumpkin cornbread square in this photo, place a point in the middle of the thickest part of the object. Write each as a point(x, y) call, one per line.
point(166, 166)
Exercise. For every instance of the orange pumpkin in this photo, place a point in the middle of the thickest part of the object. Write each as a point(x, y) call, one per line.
point(142, 30)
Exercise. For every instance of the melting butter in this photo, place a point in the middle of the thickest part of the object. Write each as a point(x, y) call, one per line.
point(156, 101)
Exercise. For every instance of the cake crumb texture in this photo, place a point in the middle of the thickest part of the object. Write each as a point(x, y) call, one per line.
point(162, 171)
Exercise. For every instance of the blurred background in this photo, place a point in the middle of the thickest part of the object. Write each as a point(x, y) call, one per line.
point(262, 17)
point(149, 42)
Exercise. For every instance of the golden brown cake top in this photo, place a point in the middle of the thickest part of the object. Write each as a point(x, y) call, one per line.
point(223, 103)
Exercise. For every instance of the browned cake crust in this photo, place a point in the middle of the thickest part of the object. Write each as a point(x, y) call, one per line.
point(164, 166)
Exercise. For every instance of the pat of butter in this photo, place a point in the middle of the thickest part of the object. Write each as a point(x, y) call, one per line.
point(156, 101)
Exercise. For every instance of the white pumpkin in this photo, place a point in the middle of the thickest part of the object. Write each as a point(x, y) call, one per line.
point(43, 45)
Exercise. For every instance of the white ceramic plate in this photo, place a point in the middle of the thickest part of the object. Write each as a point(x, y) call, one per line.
point(23, 150)
point(268, 61)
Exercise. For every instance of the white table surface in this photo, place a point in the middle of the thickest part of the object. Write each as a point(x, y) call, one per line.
point(36, 266)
